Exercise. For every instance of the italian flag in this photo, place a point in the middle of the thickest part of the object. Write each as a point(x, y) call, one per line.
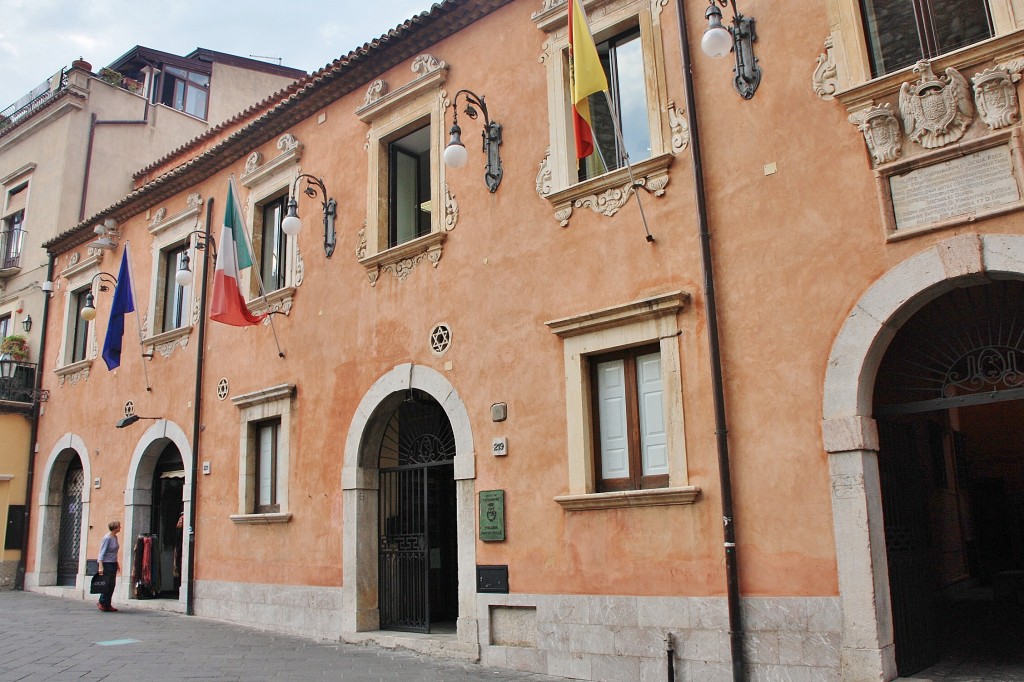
point(228, 304)
point(586, 77)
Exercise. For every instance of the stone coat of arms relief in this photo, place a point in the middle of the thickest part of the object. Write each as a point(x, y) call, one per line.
point(936, 110)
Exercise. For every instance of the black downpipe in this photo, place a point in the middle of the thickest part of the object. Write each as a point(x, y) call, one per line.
point(33, 441)
point(190, 600)
point(714, 353)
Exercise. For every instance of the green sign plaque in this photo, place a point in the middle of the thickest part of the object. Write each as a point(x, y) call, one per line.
point(492, 515)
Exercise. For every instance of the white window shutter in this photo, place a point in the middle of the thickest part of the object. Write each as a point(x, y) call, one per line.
point(611, 399)
point(653, 439)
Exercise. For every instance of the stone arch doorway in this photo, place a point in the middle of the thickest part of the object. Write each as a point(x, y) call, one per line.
point(851, 432)
point(158, 492)
point(417, 550)
point(948, 404)
point(366, 454)
point(63, 516)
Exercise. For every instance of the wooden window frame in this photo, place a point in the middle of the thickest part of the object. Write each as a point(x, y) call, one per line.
point(636, 480)
point(173, 316)
point(274, 506)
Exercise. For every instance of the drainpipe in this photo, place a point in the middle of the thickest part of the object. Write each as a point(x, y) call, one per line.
point(33, 441)
point(88, 150)
point(197, 401)
point(714, 353)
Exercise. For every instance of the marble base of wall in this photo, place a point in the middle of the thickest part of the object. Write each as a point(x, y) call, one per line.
point(605, 638)
point(295, 609)
point(8, 573)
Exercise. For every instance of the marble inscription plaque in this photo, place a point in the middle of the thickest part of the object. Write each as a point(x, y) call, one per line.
point(962, 186)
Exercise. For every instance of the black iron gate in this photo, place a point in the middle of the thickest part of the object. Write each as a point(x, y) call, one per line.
point(905, 483)
point(70, 537)
point(416, 516)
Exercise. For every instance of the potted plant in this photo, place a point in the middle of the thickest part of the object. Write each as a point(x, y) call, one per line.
point(16, 346)
point(110, 76)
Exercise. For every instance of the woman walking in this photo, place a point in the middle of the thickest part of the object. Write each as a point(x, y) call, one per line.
point(107, 564)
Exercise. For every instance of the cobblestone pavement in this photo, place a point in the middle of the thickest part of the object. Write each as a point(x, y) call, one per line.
point(52, 638)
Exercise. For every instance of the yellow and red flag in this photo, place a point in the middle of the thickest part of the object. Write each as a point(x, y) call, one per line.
point(586, 77)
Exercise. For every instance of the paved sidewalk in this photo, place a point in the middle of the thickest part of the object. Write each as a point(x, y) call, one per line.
point(51, 638)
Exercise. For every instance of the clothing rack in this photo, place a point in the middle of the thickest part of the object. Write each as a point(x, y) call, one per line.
point(146, 566)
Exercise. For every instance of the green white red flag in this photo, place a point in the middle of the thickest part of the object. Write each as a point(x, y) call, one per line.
point(228, 304)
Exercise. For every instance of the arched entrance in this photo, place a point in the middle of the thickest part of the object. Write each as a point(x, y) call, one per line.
point(418, 547)
point(948, 401)
point(63, 515)
point(157, 497)
point(851, 433)
point(69, 543)
point(370, 452)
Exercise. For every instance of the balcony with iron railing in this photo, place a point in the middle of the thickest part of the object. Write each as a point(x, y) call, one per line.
point(11, 242)
point(18, 392)
point(37, 97)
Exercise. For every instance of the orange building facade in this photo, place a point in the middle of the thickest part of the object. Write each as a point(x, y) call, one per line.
point(500, 416)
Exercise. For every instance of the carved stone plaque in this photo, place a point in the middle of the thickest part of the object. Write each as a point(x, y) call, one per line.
point(961, 186)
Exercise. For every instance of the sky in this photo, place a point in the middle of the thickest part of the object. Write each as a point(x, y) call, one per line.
point(38, 37)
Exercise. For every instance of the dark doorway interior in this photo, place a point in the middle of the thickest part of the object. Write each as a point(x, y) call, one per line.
point(951, 465)
point(417, 545)
point(70, 534)
point(157, 567)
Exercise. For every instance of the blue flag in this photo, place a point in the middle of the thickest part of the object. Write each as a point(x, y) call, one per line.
point(123, 304)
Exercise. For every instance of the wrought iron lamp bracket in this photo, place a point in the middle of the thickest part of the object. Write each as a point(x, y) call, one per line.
point(490, 135)
point(330, 207)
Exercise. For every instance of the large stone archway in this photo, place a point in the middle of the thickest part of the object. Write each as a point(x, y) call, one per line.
point(360, 485)
point(51, 492)
point(138, 492)
point(850, 433)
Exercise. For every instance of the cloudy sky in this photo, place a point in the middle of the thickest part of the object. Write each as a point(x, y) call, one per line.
point(38, 37)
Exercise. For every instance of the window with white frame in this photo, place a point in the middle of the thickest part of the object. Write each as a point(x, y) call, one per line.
point(184, 90)
point(624, 411)
point(5, 326)
point(271, 244)
point(264, 454)
point(628, 35)
point(409, 182)
point(278, 260)
point(175, 296)
point(173, 307)
point(409, 207)
point(623, 60)
point(631, 450)
point(12, 227)
point(266, 437)
point(78, 327)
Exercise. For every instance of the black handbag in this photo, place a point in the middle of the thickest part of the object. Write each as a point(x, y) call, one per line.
point(99, 583)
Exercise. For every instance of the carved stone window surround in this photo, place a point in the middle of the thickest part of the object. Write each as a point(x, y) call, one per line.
point(74, 372)
point(291, 152)
point(274, 402)
point(267, 182)
point(166, 342)
point(1009, 136)
point(608, 193)
point(276, 301)
point(557, 179)
point(168, 234)
point(79, 275)
point(260, 519)
point(178, 221)
point(400, 260)
point(649, 320)
point(846, 45)
point(422, 101)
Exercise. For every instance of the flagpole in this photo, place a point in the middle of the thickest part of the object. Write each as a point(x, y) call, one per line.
point(625, 155)
point(138, 322)
point(259, 281)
